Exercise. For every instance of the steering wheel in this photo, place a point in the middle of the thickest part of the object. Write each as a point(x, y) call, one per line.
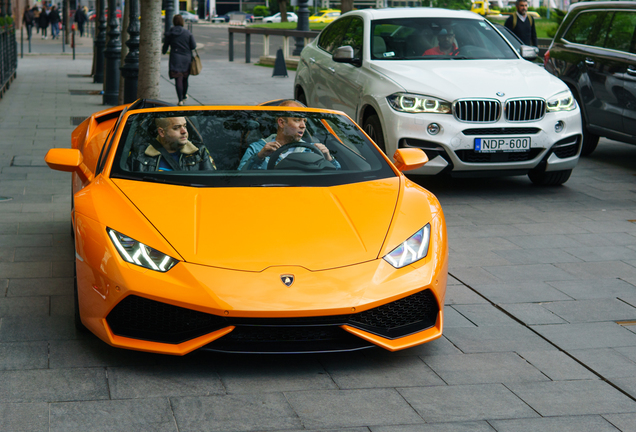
point(273, 158)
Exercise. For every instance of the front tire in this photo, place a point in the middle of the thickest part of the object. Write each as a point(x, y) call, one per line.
point(302, 98)
point(551, 178)
point(373, 128)
point(78, 320)
point(590, 141)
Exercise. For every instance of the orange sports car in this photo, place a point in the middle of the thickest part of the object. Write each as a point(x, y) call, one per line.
point(250, 229)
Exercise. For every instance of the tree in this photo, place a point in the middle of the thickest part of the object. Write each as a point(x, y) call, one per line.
point(346, 5)
point(150, 32)
point(282, 5)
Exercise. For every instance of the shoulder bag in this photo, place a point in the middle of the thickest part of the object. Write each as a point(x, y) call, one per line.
point(195, 66)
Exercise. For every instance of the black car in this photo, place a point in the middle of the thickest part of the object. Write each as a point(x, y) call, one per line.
point(248, 16)
point(594, 53)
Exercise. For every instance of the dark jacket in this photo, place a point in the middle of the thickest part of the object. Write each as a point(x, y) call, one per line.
point(54, 16)
point(524, 30)
point(28, 17)
point(80, 16)
point(192, 158)
point(43, 19)
point(181, 43)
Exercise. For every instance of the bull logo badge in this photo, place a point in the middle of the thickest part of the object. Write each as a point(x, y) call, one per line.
point(287, 279)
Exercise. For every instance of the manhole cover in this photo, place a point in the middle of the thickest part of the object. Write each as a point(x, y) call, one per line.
point(76, 121)
point(85, 92)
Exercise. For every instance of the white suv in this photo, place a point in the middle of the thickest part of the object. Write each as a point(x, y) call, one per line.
point(446, 82)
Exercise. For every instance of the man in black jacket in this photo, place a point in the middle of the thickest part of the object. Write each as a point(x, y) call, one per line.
point(521, 24)
point(172, 151)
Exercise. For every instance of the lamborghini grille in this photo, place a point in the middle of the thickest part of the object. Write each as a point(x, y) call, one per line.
point(141, 318)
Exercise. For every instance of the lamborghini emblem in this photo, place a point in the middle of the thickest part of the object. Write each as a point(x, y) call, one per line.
point(287, 279)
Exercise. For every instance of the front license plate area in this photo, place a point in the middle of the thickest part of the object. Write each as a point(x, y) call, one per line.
point(502, 145)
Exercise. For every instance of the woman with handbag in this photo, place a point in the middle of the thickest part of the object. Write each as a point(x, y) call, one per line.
point(181, 43)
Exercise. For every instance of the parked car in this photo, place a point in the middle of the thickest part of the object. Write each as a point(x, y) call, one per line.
point(248, 17)
point(325, 16)
point(480, 110)
point(594, 54)
point(189, 16)
point(308, 255)
point(291, 17)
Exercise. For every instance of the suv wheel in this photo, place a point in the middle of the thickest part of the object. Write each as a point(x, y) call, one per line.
point(551, 178)
point(373, 128)
point(302, 98)
point(590, 141)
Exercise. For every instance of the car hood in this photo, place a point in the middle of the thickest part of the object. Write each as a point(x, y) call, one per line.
point(455, 79)
point(252, 229)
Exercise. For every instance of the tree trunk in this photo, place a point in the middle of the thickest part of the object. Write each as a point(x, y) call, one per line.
point(68, 22)
point(346, 5)
point(150, 32)
point(124, 49)
point(282, 5)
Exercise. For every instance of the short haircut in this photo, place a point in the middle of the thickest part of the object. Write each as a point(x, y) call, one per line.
point(162, 122)
point(178, 21)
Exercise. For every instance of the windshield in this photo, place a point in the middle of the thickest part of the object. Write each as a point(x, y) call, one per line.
point(225, 148)
point(437, 38)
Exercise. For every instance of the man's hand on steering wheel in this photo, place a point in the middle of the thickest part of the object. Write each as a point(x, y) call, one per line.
point(325, 151)
point(273, 157)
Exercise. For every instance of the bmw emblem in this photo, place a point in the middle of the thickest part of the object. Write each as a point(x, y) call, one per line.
point(500, 94)
point(287, 279)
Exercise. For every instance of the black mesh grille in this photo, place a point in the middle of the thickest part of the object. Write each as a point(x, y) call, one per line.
point(141, 318)
point(567, 151)
point(525, 109)
point(472, 156)
point(501, 131)
point(477, 110)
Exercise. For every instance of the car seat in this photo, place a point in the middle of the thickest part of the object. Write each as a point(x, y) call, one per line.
point(379, 47)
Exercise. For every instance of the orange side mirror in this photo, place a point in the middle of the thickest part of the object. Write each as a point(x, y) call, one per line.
point(69, 160)
point(409, 158)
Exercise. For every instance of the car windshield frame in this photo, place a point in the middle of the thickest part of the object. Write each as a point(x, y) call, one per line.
point(410, 38)
point(228, 132)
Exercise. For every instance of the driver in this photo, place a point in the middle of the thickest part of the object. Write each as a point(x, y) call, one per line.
point(172, 151)
point(446, 44)
point(290, 130)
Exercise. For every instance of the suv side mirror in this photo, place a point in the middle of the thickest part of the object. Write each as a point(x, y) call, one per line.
point(528, 52)
point(344, 54)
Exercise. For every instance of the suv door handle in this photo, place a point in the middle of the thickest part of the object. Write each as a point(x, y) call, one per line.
point(311, 59)
point(332, 70)
point(589, 62)
point(631, 70)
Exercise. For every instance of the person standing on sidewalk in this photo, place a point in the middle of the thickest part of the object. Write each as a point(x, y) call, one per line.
point(43, 20)
point(54, 19)
point(181, 43)
point(80, 19)
point(27, 20)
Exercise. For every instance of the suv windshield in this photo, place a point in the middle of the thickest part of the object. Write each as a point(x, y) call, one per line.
point(220, 149)
point(437, 38)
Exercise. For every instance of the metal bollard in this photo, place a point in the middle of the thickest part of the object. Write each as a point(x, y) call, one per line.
point(21, 41)
point(73, 39)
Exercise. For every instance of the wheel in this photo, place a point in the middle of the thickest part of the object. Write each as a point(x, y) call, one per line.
point(78, 320)
point(373, 128)
point(302, 98)
point(590, 141)
point(273, 158)
point(551, 178)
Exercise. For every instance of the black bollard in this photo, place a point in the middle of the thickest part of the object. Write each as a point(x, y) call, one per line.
point(303, 25)
point(112, 55)
point(100, 42)
point(130, 69)
point(280, 68)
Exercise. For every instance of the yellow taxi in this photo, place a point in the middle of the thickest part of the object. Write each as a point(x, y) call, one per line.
point(325, 16)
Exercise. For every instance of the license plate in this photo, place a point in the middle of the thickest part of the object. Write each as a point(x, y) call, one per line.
point(500, 145)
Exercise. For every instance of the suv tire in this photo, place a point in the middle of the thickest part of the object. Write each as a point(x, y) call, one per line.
point(373, 128)
point(551, 178)
point(590, 141)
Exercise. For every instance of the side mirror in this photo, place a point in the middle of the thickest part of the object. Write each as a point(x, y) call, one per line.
point(528, 52)
point(344, 54)
point(407, 159)
point(68, 160)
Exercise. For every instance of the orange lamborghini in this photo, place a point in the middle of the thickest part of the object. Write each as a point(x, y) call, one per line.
point(189, 235)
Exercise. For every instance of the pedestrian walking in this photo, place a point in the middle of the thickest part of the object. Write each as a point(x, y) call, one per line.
point(43, 20)
point(80, 19)
point(27, 20)
point(181, 43)
point(36, 18)
point(55, 21)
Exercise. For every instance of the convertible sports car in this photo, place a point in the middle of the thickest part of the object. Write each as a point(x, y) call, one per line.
point(180, 250)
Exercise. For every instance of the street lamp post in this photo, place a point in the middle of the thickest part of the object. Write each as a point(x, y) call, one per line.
point(169, 14)
point(100, 42)
point(303, 25)
point(112, 53)
point(130, 69)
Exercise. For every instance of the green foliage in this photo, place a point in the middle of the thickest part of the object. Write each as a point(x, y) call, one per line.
point(2, 21)
point(261, 10)
point(452, 4)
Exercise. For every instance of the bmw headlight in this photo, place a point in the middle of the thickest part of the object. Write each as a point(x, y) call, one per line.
point(139, 254)
point(413, 249)
point(562, 102)
point(412, 103)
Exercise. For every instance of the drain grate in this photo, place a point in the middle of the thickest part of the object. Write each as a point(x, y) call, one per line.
point(78, 75)
point(84, 92)
point(76, 121)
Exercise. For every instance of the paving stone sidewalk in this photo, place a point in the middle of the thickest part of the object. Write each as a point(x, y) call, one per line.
point(540, 308)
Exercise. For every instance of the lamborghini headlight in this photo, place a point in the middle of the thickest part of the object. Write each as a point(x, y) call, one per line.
point(413, 249)
point(139, 254)
point(562, 102)
point(412, 103)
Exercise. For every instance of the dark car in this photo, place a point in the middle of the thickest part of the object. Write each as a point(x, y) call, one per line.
point(248, 16)
point(594, 53)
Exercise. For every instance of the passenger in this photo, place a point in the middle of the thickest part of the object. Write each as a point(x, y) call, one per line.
point(446, 44)
point(172, 151)
point(289, 130)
